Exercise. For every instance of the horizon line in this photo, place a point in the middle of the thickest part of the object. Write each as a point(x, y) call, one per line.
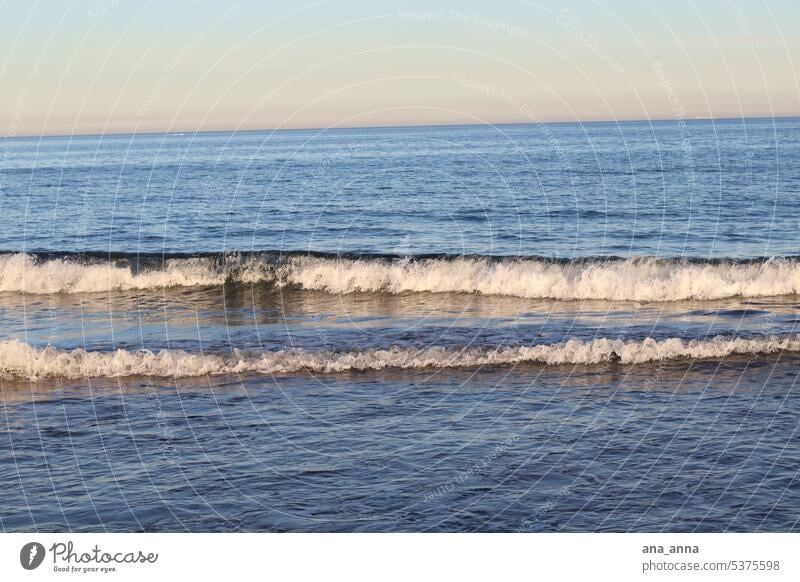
point(403, 126)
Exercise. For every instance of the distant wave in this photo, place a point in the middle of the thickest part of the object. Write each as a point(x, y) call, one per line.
point(18, 359)
point(638, 279)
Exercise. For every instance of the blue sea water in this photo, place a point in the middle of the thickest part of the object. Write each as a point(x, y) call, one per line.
point(560, 327)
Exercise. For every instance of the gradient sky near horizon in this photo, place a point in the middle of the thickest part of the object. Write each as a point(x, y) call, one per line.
point(101, 66)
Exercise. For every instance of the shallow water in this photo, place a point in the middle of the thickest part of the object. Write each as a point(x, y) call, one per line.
point(670, 447)
point(521, 328)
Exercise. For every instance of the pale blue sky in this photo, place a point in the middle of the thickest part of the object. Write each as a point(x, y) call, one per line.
point(122, 65)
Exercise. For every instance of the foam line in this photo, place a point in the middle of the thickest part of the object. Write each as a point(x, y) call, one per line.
point(18, 359)
point(641, 279)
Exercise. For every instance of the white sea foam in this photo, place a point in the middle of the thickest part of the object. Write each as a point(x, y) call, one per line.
point(644, 279)
point(19, 359)
point(24, 273)
point(629, 280)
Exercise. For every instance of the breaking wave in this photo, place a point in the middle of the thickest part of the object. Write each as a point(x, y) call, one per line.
point(18, 359)
point(638, 279)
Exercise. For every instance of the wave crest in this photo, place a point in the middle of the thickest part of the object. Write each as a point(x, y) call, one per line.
point(641, 279)
point(18, 359)
point(645, 279)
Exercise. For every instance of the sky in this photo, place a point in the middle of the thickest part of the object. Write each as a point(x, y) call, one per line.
point(111, 66)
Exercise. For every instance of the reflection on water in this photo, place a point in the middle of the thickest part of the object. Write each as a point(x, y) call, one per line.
point(264, 317)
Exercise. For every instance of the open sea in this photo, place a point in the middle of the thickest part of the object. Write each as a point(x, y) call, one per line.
point(560, 327)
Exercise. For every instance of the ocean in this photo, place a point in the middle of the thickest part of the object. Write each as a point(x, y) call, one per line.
point(541, 327)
